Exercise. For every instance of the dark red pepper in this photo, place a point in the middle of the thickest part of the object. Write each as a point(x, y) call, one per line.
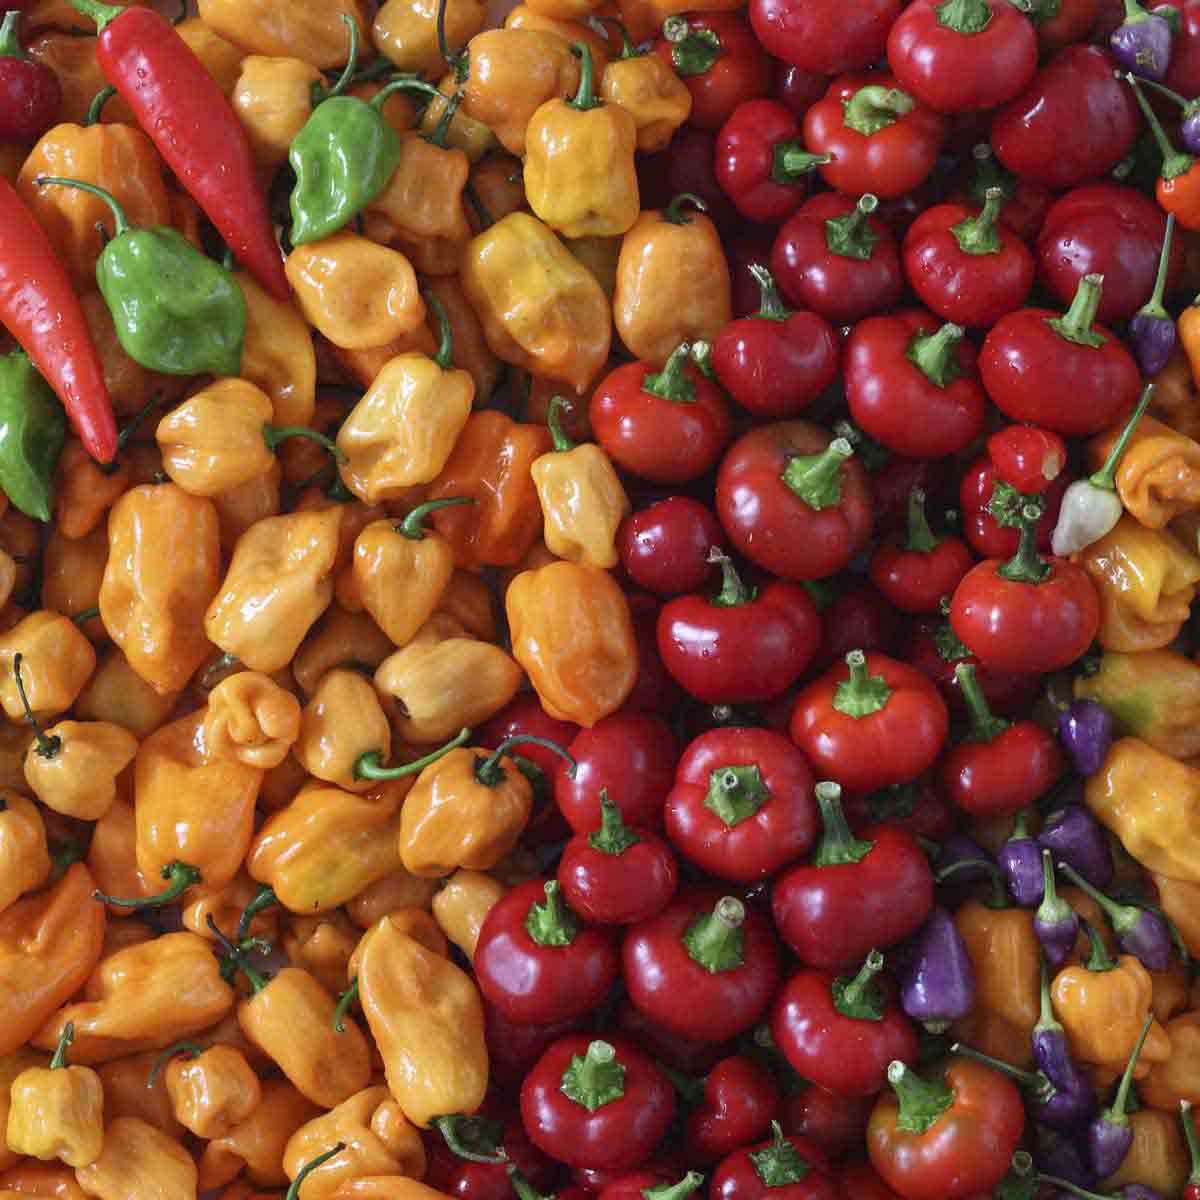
point(1027, 458)
point(991, 508)
point(784, 1168)
point(734, 1106)
point(837, 1124)
point(30, 94)
point(664, 548)
point(825, 36)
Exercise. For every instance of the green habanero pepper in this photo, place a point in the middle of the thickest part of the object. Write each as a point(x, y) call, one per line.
point(33, 428)
point(175, 310)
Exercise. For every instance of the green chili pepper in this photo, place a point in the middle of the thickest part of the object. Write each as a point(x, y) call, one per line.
point(32, 430)
point(175, 310)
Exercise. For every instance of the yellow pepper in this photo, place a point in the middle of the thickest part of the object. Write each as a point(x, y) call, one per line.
point(1146, 580)
point(277, 585)
point(573, 633)
point(377, 1136)
point(398, 890)
point(1158, 1158)
point(33, 1178)
point(73, 767)
point(278, 354)
point(468, 600)
point(220, 57)
point(24, 855)
point(1158, 476)
point(386, 1187)
point(1150, 801)
point(83, 493)
point(250, 719)
point(1180, 900)
point(340, 639)
point(405, 31)
point(525, 16)
point(211, 1090)
point(56, 661)
point(273, 101)
point(57, 1111)
point(426, 1016)
point(72, 58)
point(130, 385)
point(143, 998)
point(579, 169)
point(322, 946)
point(469, 349)
point(673, 283)
point(312, 30)
point(72, 571)
point(151, 603)
point(499, 185)
point(343, 721)
point(541, 309)
point(647, 88)
point(355, 292)
point(117, 693)
point(1176, 400)
point(11, 1066)
point(139, 1160)
point(472, 137)
point(112, 857)
point(461, 906)
point(226, 904)
point(1177, 1077)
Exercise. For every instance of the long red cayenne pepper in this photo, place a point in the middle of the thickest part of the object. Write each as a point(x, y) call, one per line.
point(38, 306)
point(196, 131)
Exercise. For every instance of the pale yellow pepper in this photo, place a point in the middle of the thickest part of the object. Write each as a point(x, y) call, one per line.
point(273, 98)
point(213, 1091)
point(56, 661)
point(322, 945)
point(240, 507)
point(398, 890)
point(311, 30)
point(340, 639)
point(461, 906)
point(24, 855)
point(117, 693)
point(405, 31)
point(250, 719)
point(219, 56)
point(646, 87)
point(73, 768)
point(278, 354)
point(343, 721)
point(139, 1160)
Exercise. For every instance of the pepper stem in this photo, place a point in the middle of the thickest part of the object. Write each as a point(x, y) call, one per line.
point(921, 538)
point(859, 998)
point(489, 772)
point(979, 235)
point(370, 765)
point(439, 136)
point(771, 306)
point(191, 1049)
point(10, 40)
point(522, 1188)
point(922, 1102)
point(445, 351)
point(1072, 1189)
point(1026, 566)
point(1099, 960)
point(674, 213)
point(101, 98)
point(1106, 477)
point(459, 61)
point(715, 939)
point(102, 14)
point(585, 96)
point(817, 478)
point(60, 1051)
point(1175, 162)
point(1116, 1113)
point(851, 235)
point(475, 1138)
point(1026, 1079)
point(181, 876)
point(403, 83)
point(263, 899)
point(693, 51)
point(1047, 1021)
point(554, 414)
point(551, 923)
point(838, 845)
point(596, 1078)
point(674, 1191)
point(1189, 106)
point(119, 217)
point(863, 693)
point(345, 1000)
point(1154, 306)
point(235, 958)
point(780, 1163)
point(1122, 917)
point(964, 16)
point(935, 355)
point(733, 592)
point(293, 1193)
point(999, 897)
point(874, 108)
point(984, 726)
point(672, 382)
point(736, 793)
point(1076, 323)
point(85, 615)
point(274, 435)
point(321, 94)
point(1192, 1138)
point(614, 836)
point(413, 525)
point(47, 747)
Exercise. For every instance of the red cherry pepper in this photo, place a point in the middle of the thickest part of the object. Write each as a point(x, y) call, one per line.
point(719, 60)
point(1075, 91)
point(776, 362)
point(664, 548)
point(1026, 614)
point(870, 722)
point(38, 306)
point(536, 962)
point(857, 893)
point(914, 806)
point(185, 114)
point(30, 94)
point(834, 258)
point(742, 805)
point(1000, 766)
point(682, 1054)
point(912, 386)
point(739, 644)
point(1026, 203)
point(596, 1102)
point(794, 501)
point(686, 167)
point(859, 618)
point(749, 250)
point(667, 426)
point(842, 1032)
point(1059, 23)
point(662, 1167)
point(825, 36)
point(796, 89)
point(646, 1185)
point(514, 1048)
point(761, 163)
point(861, 1181)
point(735, 1106)
point(837, 1124)
point(991, 510)
point(877, 137)
point(705, 967)
point(893, 481)
point(1062, 371)
point(917, 570)
point(632, 756)
point(962, 56)
point(784, 1168)
point(949, 1138)
point(968, 268)
point(654, 690)
point(1183, 73)
point(477, 1180)
point(619, 874)
point(522, 1189)
point(1027, 458)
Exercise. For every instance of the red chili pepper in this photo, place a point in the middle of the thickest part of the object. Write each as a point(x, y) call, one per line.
point(785, 1168)
point(861, 1181)
point(1027, 458)
point(179, 105)
point(735, 1105)
point(38, 306)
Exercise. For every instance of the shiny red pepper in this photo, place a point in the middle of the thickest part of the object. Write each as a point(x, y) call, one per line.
point(785, 1168)
point(734, 1106)
point(1027, 458)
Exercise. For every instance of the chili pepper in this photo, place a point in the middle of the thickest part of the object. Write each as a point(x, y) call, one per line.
point(1020, 862)
point(1086, 729)
point(1142, 44)
point(1055, 922)
point(1074, 1099)
point(734, 1106)
point(1027, 458)
point(194, 318)
point(1189, 125)
point(39, 308)
point(1178, 178)
point(649, 89)
point(35, 430)
point(31, 90)
point(136, 1157)
point(1152, 328)
point(789, 1168)
point(194, 128)
point(1139, 931)
point(1109, 1135)
point(24, 853)
point(1073, 835)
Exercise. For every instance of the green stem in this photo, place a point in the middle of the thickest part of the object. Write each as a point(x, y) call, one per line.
point(674, 1191)
point(790, 161)
point(85, 615)
point(10, 39)
point(523, 1189)
point(102, 14)
point(771, 306)
point(1175, 162)
point(614, 836)
point(736, 793)
point(439, 136)
point(1192, 1138)
point(780, 1163)
point(1116, 1113)
point(862, 693)
point(1072, 1189)
point(674, 213)
point(1099, 959)
point(1122, 917)
point(935, 355)
point(1026, 566)
point(1106, 477)
point(851, 235)
point(1154, 307)
point(551, 923)
point(838, 845)
point(860, 998)
point(404, 83)
point(693, 52)
point(413, 525)
point(672, 382)
point(133, 425)
point(979, 235)
point(59, 1061)
point(562, 443)
point(489, 772)
point(321, 94)
point(585, 97)
point(236, 959)
point(263, 899)
point(47, 747)
point(964, 16)
point(1190, 107)
point(999, 898)
point(445, 351)
point(101, 98)
point(689, 1090)
point(921, 539)
point(119, 217)
point(922, 1102)
point(817, 478)
point(1025, 1079)
point(474, 1138)
point(715, 939)
point(181, 875)
point(345, 1000)
point(191, 1049)
point(293, 1193)
point(1076, 323)
point(984, 726)
point(370, 765)
point(1047, 1021)
point(273, 435)
point(596, 1078)
point(733, 592)
point(459, 61)
point(873, 108)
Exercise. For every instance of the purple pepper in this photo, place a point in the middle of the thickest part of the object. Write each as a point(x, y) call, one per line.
point(1142, 42)
point(1074, 836)
point(1086, 727)
point(1055, 922)
point(1020, 863)
point(937, 981)
point(1074, 1100)
point(1152, 331)
point(1110, 1135)
point(957, 848)
point(1139, 931)
point(1189, 127)
point(1058, 1154)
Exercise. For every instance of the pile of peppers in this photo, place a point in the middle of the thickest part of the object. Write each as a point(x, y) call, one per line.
point(600, 606)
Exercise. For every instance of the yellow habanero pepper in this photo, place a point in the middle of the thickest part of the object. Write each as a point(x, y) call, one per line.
point(426, 1016)
point(57, 1111)
point(12, 1065)
point(339, 639)
point(1180, 900)
point(582, 499)
point(211, 1090)
point(83, 493)
point(131, 386)
point(469, 349)
point(650, 91)
point(219, 56)
point(462, 905)
point(355, 292)
point(55, 661)
point(386, 1187)
point(24, 855)
point(541, 308)
point(573, 633)
point(322, 946)
point(343, 721)
point(278, 583)
point(72, 571)
point(1158, 1158)
point(1177, 1077)
point(273, 98)
point(278, 354)
point(472, 137)
point(139, 1160)
point(673, 283)
point(117, 693)
point(250, 719)
point(73, 766)
point(152, 603)
point(525, 16)
point(1159, 474)
point(405, 32)
point(579, 170)
point(398, 890)
point(1152, 803)
point(1176, 399)
point(1146, 580)
point(314, 31)
point(378, 1138)
point(227, 905)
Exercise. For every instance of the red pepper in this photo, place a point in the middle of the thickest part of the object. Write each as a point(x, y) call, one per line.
point(915, 807)
point(860, 1181)
point(1026, 202)
point(686, 167)
point(654, 689)
point(688, 1056)
point(664, 548)
point(513, 1048)
point(646, 1185)
point(785, 1168)
point(857, 619)
point(838, 1124)
point(892, 483)
point(742, 805)
point(1060, 23)
point(949, 1138)
point(1027, 458)
point(991, 509)
point(476, 1180)
point(825, 36)
point(735, 1105)
point(38, 306)
point(30, 94)
point(1178, 187)
point(841, 1032)
point(179, 105)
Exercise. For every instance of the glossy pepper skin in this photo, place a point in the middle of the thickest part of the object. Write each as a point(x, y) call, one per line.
point(24, 853)
point(788, 1167)
point(35, 430)
point(136, 1159)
